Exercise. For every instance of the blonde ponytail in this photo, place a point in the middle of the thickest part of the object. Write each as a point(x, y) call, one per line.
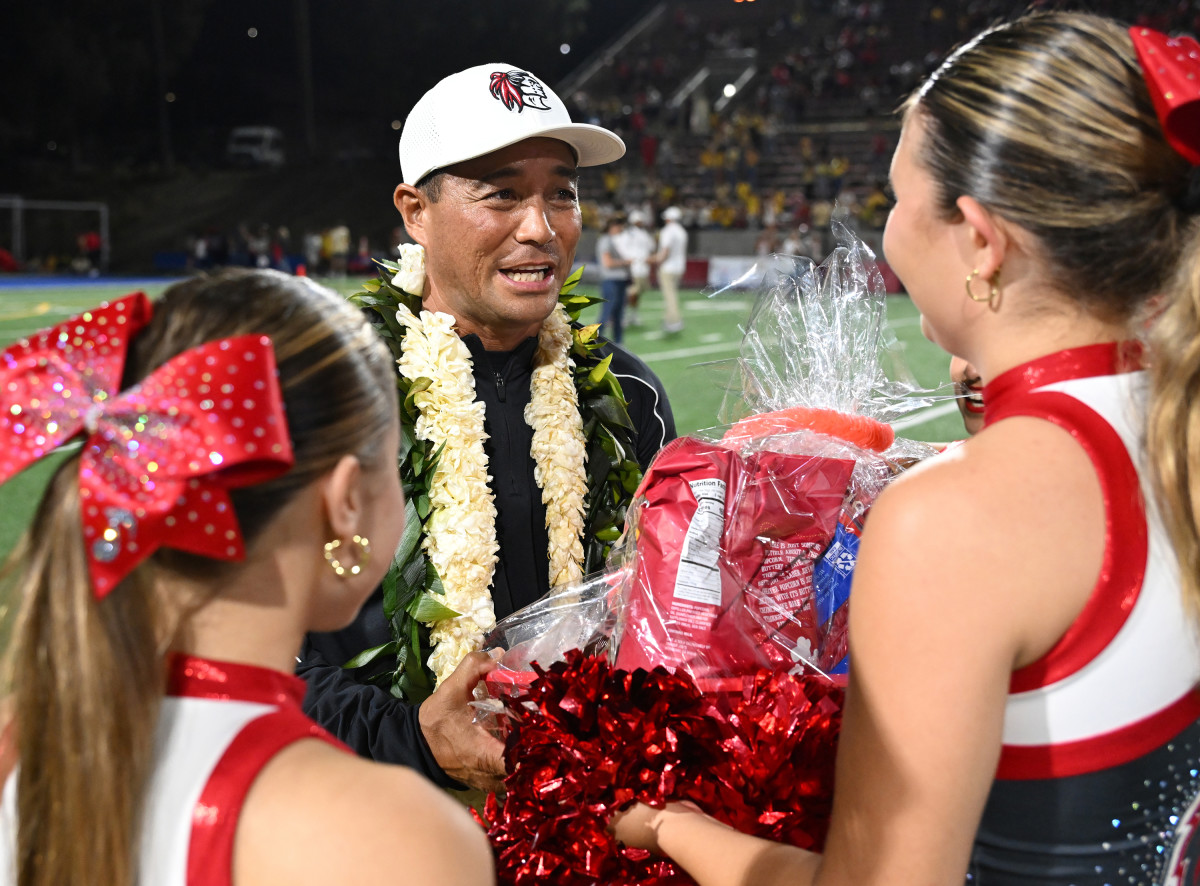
point(88, 680)
point(1173, 431)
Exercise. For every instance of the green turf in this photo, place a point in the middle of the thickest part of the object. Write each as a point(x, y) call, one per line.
point(682, 361)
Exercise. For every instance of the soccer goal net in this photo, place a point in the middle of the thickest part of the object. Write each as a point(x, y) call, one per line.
point(50, 235)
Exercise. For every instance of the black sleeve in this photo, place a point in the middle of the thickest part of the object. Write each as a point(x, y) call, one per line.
point(367, 717)
point(649, 408)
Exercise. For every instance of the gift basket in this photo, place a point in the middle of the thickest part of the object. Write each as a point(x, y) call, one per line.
point(707, 662)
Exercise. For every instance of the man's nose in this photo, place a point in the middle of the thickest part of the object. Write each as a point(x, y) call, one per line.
point(535, 225)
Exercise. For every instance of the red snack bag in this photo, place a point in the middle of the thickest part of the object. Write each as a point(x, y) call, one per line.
point(718, 588)
point(791, 510)
point(680, 584)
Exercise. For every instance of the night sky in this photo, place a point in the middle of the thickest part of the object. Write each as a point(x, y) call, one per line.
point(91, 80)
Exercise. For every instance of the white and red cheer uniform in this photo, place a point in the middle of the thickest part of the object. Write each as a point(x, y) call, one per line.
point(1098, 776)
point(220, 724)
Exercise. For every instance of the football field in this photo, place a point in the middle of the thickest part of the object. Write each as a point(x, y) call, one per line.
point(693, 365)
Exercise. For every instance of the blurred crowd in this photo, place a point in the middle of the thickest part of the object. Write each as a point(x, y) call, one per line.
point(812, 129)
point(328, 252)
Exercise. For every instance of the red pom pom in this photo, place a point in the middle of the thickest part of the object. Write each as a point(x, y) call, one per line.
point(589, 739)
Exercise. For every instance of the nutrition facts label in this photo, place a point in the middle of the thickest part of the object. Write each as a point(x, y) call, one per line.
point(698, 578)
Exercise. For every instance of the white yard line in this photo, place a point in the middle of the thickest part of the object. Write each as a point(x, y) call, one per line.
point(926, 415)
point(725, 347)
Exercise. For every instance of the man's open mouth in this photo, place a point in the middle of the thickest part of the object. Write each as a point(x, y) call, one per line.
point(527, 275)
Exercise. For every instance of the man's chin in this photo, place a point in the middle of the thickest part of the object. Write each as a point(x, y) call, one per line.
point(522, 313)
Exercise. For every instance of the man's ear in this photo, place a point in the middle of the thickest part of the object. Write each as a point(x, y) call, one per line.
point(412, 204)
point(342, 497)
point(985, 238)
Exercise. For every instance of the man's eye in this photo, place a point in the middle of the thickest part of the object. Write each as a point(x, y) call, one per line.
point(504, 194)
point(567, 194)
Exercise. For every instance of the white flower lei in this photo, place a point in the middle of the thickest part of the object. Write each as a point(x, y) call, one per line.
point(460, 535)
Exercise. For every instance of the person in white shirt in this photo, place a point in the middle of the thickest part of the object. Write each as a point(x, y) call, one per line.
point(672, 261)
point(792, 244)
point(636, 244)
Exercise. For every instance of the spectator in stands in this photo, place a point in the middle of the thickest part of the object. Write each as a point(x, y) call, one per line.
point(767, 241)
point(792, 243)
point(671, 259)
point(875, 207)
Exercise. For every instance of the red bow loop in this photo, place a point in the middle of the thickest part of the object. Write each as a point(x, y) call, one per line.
point(50, 381)
point(1171, 66)
point(157, 468)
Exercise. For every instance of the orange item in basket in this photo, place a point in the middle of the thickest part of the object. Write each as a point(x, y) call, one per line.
point(864, 432)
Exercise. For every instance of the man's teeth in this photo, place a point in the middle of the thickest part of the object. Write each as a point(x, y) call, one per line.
point(527, 276)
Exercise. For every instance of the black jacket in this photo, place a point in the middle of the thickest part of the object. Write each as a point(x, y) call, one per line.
point(366, 716)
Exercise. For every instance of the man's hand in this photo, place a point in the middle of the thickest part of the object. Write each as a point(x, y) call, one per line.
point(462, 747)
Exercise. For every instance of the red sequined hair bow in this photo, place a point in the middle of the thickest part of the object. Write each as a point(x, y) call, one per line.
point(1171, 66)
point(159, 458)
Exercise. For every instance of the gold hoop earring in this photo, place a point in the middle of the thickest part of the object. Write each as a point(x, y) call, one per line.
point(992, 299)
point(364, 555)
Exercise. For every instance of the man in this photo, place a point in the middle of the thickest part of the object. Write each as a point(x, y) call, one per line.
point(672, 262)
point(614, 277)
point(637, 244)
point(489, 158)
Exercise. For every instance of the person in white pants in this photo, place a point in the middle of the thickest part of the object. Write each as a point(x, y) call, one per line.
point(637, 244)
point(672, 260)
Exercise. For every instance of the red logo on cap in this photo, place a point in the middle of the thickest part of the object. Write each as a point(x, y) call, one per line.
point(520, 90)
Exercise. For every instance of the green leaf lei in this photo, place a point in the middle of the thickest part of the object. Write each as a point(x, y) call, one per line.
point(412, 588)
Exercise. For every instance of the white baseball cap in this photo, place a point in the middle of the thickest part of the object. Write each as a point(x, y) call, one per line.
point(672, 213)
point(489, 107)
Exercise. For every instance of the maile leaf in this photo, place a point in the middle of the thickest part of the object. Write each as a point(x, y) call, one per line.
point(571, 282)
point(600, 370)
point(412, 533)
point(369, 655)
point(426, 608)
point(419, 385)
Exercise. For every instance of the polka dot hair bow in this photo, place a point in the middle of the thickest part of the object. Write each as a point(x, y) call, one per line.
point(159, 457)
point(1172, 69)
point(50, 380)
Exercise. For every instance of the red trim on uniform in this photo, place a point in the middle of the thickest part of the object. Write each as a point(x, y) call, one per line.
point(215, 818)
point(1122, 571)
point(1019, 762)
point(1108, 358)
point(193, 677)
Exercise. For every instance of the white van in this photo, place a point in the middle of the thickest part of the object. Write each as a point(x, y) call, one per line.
point(255, 146)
